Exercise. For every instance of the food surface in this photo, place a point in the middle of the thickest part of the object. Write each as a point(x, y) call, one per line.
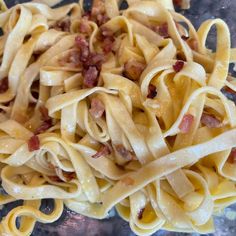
point(115, 108)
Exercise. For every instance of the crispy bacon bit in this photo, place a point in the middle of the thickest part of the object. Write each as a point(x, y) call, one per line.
point(140, 213)
point(103, 151)
point(83, 45)
point(91, 62)
point(84, 27)
point(3, 85)
point(186, 123)
point(44, 113)
point(123, 152)
point(185, 38)
point(33, 143)
point(102, 19)
point(98, 7)
point(90, 77)
point(178, 66)
point(55, 178)
point(232, 156)
point(98, 13)
point(210, 121)
point(152, 91)
point(86, 15)
point(94, 59)
point(107, 38)
point(47, 121)
point(69, 175)
point(177, 3)
point(81, 42)
point(43, 127)
point(63, 25)
point(183, 4)
point(108, 44)
point(192, 43)
point(97, 108)
point(162, 30)
point(133, 69)
point(128, 181)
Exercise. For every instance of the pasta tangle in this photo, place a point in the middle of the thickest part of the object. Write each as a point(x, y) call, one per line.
point(123, 108)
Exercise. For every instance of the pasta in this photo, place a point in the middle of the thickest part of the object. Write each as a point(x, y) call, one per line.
point(115, 108)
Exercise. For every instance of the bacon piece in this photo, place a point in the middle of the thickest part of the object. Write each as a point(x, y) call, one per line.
point(186, 123)
point(107, 38)
point(43, 127)
point(108, 44)
point(98, 12)
point(178, 66)
point(90, 77)
point(210, 121)
point(97, 108)
point(232, 156)
point(140, 213)
point(123, 152)
point(162, 30)
point(44, 113)
point(133, 69)
point(83, 45)
point(87, 15)
point(55, 178)
point(152, 91)
point(47, 121)
point(98, 7)
point(63, 25)
point(128, 181)
point(177, 3)
point(81, 42)
point(3, 85)
point(103, 151)
point(102, 19)
point(33, 143)
point(94, 59)
point(69, 175)
point(183, 4)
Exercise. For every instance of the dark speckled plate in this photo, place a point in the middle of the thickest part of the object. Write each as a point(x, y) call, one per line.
point(76, 225)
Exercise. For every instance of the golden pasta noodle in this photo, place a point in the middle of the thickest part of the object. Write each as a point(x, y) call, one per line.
point(115, 108)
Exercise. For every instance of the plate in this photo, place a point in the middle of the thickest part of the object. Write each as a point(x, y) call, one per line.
point(74, 224)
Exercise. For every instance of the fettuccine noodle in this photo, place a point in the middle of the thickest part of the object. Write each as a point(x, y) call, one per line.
point(115, 108)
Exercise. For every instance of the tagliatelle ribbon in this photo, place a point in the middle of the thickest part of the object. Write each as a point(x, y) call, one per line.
point(154, 137)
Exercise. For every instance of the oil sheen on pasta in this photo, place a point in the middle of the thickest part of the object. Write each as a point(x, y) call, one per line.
point(115, 108)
